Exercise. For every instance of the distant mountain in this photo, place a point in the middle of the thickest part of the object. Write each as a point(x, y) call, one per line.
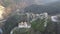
point(56, 4)
point(51, 9)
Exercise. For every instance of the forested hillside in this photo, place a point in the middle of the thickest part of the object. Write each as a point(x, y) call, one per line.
point(51, 9)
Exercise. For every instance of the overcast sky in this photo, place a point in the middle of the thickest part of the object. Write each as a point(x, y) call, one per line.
point(39, 2)
point(24, 3)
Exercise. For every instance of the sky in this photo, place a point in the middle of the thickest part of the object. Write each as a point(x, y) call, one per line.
point(39, 2)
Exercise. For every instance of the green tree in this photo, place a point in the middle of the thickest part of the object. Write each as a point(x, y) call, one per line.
point(21, 31)
point(38, 24)
point(10, 23)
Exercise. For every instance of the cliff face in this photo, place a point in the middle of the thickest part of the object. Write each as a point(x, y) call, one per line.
point(5, 12)
point(2, 9)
